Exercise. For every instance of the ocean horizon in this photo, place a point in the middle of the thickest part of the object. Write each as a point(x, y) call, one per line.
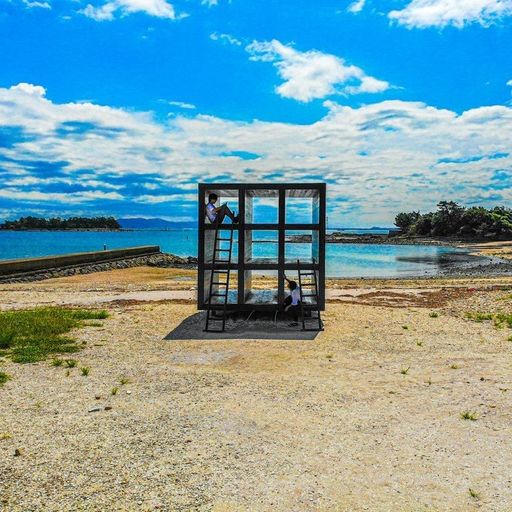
point(342, 260)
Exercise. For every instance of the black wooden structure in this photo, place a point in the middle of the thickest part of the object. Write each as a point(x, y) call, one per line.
point(276, 221)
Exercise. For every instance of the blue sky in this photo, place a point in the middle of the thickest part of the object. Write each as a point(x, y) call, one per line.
point(120, 107)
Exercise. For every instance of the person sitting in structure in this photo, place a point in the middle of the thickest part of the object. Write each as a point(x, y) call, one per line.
point(216, 215)
point(292, 301)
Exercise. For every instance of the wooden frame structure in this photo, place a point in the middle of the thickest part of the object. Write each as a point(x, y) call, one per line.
point(299, 216)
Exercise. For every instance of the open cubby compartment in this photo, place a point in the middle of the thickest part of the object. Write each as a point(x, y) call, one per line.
point(222, 243)
point(302, 206)
point(261, 247)
point(303, 245)
point(221, 278)
point(261, 287)
point(229, 196)
point(261, 206)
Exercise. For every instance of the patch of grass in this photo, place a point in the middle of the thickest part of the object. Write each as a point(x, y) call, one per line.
point(5, 435)
point(433, 314)
point(467, 415)
point(406, 327)
point(499, 319)
point(474, 494)
point(70, 363)
point(509, 338)
point(85, 371)
point(114, 391)
point(419, 343)
point(124, 380)
point(405, 371)
point(4, 377)
point(32, 335)
point(454, 366)
point(68, 373)
point(93, 324)
point(429, 381)
point(57, 362)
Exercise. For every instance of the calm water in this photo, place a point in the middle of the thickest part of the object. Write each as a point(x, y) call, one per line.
point(343, 260)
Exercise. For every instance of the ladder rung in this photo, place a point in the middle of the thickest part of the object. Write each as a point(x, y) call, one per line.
point(219, 294)
point(224, 239)
point(223, 250)
point(309, 295)
point(218, 283)
point(308, 274)
point(220, 271)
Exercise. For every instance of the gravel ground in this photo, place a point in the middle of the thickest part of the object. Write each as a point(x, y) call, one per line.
point(329, 424)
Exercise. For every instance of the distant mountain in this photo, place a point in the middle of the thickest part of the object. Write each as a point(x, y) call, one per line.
point(143, 223)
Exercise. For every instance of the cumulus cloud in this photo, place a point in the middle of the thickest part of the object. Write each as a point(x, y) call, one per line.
point(356, 6)
point(108, 10)
point(441, 13)
point(312, 75)
point(225, 38)
point(182, 104)
point(36, 4)
point(376, 159)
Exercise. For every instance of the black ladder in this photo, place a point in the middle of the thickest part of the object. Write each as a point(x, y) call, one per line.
point(219, 289)
point(308, 280)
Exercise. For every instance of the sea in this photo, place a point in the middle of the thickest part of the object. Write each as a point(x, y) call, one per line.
point(342, 260)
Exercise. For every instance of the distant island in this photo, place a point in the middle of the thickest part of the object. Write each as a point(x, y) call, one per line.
point(454, 220)
point(58, 224)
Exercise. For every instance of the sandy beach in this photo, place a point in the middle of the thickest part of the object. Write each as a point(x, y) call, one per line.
point(365, 416)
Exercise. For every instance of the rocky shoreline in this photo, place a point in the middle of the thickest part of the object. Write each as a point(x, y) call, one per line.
point(339, 237)
point(162, 260)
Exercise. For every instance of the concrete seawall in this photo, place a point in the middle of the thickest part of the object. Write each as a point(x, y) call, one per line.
point(21, 266)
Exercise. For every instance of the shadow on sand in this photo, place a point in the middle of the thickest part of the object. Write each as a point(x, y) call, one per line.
point(248, 327)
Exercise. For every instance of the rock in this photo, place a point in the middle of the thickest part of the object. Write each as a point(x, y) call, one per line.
point(108, 408)
point(18, 452)
point(97, 397)
point(95, 409)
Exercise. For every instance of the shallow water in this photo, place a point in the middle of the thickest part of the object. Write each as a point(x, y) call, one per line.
point(343, 260)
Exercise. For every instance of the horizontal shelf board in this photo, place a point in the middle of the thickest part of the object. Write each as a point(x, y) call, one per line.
point(269, 227)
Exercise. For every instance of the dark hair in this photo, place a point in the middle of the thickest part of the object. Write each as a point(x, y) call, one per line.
point(292, 285)
point(212, 198)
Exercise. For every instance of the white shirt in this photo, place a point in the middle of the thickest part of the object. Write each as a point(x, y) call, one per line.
point(295, 294)
point(210, 212)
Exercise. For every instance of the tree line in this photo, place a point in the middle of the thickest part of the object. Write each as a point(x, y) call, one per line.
point(56, 223)
point(452, 219)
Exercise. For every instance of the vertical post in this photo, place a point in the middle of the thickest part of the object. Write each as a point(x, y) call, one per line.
point(322, 228)
point(281, 240)
point(241, 245)
point(200, 246)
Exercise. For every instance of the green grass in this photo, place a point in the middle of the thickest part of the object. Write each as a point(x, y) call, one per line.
point(4, 377)
point(467, 415)
point(474, 494)
point(405, 327)
point(124, 380)
point(405, 371)
point(419, 343)
point(509, 338)
point(499, 319)
point(70, 363)
point(114, 391)
point(454, 366)
point(433, 314)
point(34, 334)
point(85, 371)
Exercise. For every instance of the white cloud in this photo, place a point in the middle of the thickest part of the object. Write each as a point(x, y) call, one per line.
point(107, 11)
point(311, 75)
point(441, 13)
point(40, 5)
point(225, 38)
point(210, 3)
point(509, 83)
point(377, 159)
point(182, 104)
point(356, 6)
